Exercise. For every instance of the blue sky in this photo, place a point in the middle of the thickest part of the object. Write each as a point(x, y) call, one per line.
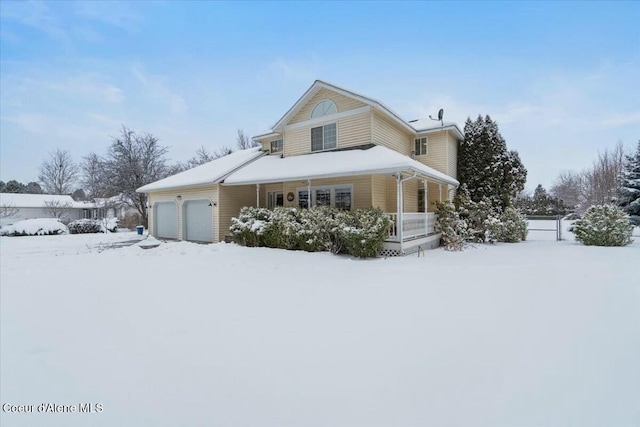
point(561, 79)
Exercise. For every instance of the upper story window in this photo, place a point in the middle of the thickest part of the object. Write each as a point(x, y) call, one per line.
point(276, 146)
point(324, 137)
point(324, 108)
point(420, 146)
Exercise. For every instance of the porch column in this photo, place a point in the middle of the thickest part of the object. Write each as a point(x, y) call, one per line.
point(308, 193)
point(426, 207)
point(257, 195)
point(440, 191)
point(399, 209)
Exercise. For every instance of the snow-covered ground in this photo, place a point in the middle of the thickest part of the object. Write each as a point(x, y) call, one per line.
point(540, 333)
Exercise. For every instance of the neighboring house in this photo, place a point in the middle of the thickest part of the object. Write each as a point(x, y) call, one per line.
point(111, 207)
point(17, 207)
point(333, 147)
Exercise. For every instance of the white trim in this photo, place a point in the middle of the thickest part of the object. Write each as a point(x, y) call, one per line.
point(323, 101)
point(453, 128)
point(329, 118)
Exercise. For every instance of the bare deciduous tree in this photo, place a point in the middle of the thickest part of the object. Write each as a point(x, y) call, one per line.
point(599, 184)
point(133, 161)
point(58, 173)
point(93, 178)
point(244, 141)
point(58, 209)
point(7, 210)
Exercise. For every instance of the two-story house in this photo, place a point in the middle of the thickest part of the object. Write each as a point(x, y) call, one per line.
point(333, 147)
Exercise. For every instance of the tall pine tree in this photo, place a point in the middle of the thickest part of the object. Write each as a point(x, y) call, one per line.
point(630, 194)
point(485, 165)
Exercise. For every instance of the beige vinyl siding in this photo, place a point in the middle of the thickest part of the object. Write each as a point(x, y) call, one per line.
point(232, 199)
point(453, 156)
point(379, 192)
point(433, 195)
point(343, 103)
point(209, 192)
point(389, 134)
point(352, 131)
point(437, 152)
point(385, 194)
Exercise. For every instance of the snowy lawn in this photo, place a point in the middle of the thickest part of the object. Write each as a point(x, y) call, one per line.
point(540, 333)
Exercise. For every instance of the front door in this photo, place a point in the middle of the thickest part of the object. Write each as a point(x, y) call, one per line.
point(275, 199)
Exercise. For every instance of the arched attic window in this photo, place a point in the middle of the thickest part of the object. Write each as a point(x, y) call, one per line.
point(324, 108)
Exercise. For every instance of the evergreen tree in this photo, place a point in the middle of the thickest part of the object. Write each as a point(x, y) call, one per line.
point(33, 188)
point(485, 165)
point(630, 194)
point(14, 186)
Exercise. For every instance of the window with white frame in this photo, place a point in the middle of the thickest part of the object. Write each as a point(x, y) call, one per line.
point(275, 199)
point(420, 146)
point(324, 108)
point(324, 137)
point(342, 198)
point(323, 197)
point(303, 199)
point(276, 146)
point(337, 196)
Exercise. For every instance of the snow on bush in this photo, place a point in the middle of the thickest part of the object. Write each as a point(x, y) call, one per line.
point(81, 226)
point(360, 233)
point(603, 225)
point(454, 230)
point(35, 227)
point(509, 227)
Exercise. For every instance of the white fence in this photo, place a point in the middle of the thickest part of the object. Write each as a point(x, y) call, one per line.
point(413, 225)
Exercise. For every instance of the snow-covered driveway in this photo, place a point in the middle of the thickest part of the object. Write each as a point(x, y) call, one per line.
point(532, 334)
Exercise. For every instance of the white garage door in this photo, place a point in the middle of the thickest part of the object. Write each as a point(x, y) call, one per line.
point(198, 221)
point(165, 216)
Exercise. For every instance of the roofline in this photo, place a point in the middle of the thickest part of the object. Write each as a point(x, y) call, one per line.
point(364, 99)
point(454, 128)
point(217, 180)
point(384, 171)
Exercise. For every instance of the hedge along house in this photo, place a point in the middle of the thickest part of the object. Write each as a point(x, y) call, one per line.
point(333, 147)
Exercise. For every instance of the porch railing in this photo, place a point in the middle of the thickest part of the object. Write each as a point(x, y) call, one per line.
point(413, 225)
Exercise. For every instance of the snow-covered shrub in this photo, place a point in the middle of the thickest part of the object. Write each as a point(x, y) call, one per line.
point(603, 225)
point(478, 217)
point(363, 232)
point(360, 233)
point(454, 230)
point(81, 226)
point(35, 227)
point(510, 227)
point(249, 226)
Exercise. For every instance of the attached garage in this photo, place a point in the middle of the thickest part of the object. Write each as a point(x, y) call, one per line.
point(165, 216)
point(197, 220)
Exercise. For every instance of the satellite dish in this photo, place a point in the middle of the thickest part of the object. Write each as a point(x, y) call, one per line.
point(440, 116)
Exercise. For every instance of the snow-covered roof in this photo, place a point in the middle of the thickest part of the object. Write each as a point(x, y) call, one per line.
point(207, 173)
point(428, 125)
point(375, 160)
point(17, 200)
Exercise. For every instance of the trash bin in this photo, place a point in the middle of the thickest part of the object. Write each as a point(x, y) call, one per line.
point(140, 229)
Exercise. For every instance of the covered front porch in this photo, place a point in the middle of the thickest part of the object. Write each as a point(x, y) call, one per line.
point(356, 179)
